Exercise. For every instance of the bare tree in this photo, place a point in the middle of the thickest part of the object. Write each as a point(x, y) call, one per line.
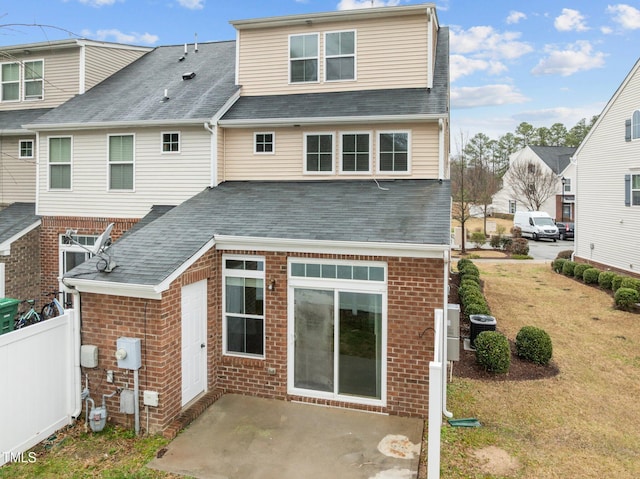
point(532, 184)
point(460, 190)
point(483, 184)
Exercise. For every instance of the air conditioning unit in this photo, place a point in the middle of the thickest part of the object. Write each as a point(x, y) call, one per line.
point(479, 324)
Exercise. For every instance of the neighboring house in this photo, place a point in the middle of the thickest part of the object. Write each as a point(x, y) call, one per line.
point(555, 159)
point(608, 193)
point(308, 248)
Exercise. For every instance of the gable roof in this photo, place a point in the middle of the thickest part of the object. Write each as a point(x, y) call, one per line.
point(398, 214)
point(358, 105)
point(16, 220)
point(11, 121)
point(134, 95)
point(557, 158)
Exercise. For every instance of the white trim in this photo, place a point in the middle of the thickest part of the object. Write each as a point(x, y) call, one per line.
point(100, 125)
point(335, 120)
point(49, 138)
point(441, 156)
point(341, 152)
point(33, 149)
point(306, 135)
point(143, 291)
point(171, 152)
point(237, 68)
point(353, 55)
point(409, 146)
point(82, 79)
point(212, 127)
point(273, 142)
point(317, 58)
point(133, 163)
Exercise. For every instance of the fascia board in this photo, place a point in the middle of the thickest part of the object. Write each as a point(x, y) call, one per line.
point(251, 122)
point(5, 246)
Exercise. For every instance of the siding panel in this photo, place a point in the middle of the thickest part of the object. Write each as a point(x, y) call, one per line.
point(17, 175)
point(102, 62)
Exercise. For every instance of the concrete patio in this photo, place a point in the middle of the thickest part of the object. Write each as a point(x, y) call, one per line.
point(255, 438)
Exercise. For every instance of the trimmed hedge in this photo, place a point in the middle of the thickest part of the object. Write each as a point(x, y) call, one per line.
point(605, 278)
point(632, 283)
point(534, 344)
point(626, 298)
point(557, 264)
point(492, 352)
point(568, 267)
point(591, 276)
point(616, 282)
point(519, 246)
point(579, 269)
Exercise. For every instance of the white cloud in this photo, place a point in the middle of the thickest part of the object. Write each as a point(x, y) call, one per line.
point(577, 57)
point(354, 4)
point(626, 16)
point(606, 30)
point(570, 20)
point(487, 95)
point(565, 115)
point(461, 66)
point(515, 17)
point(485, 42)
point(114, 35)
point(98, 3)
point(192, 4)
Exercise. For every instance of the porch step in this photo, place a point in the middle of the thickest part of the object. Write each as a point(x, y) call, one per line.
point(191, 413)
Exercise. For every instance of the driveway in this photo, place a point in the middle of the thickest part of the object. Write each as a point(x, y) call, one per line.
point(548, 250)
point(255, 438)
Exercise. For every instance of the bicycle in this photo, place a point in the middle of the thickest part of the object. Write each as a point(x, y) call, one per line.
point(53, 308)
point(28, 317)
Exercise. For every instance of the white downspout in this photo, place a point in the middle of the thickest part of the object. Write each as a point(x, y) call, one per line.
point(77, 339)
point(443, 336)
point(213, 180)
point(441, 174)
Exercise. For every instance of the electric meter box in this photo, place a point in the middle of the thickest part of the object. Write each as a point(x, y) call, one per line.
point(132, 357)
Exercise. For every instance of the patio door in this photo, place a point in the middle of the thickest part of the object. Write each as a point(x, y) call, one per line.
point(194, 327)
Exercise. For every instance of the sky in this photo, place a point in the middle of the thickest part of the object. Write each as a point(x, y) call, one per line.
point(511, 61)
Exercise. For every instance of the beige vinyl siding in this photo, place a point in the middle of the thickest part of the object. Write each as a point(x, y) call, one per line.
point(240, 163)
point(382, 57)
point(102, 62)
point(159, 178)
point(17, 175)
point(602, 219)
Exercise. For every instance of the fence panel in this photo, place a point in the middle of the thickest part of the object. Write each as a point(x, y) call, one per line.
point(39, 389)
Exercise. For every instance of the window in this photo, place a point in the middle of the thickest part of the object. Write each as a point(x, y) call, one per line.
point(121, 162)
point(171, 142)
point(243, 306)
point(303, 58)
point(635, 125)
point(393, 152)
point(73, 254)
point(263, 143)
point(635, 190)
point(318, 153)
point(512, 206)
point(60, 163)
point(340, 56)
point(356, 148)
point(567, 185)
point(33, 83)
point(26, 149)
point(10, 77)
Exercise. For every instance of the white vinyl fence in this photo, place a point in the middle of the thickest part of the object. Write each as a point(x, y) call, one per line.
point(39, 383)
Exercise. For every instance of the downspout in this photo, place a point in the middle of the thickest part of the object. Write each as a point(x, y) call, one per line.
point(443, 337)
point(77, 373)
point(213, 180)
point(441, 174)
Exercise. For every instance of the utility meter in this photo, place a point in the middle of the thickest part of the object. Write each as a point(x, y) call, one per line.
point(128, 353)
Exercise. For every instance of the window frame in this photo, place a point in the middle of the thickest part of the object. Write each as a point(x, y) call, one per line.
point(513, 205)
point(329, 57)
point(3, 82)
point(20, 143)
point(306, 135)
point(65, 247)
point(264, 143)
point(379, 152)
point(69, 163)
point(634, 201)
point(132, 163)
point(635, 125)
point(567, 185)
point(163, 143)
point(316, 57)
point(25, 80)
point(342, 152)
point(243, 273)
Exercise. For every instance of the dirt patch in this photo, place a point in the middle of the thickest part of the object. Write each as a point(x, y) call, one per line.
point(496, 461)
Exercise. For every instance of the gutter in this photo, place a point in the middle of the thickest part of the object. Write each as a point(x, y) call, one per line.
point(114, 124)
point(341, 120)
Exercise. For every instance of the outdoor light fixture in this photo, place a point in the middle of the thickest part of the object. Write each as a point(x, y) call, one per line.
point(272, 285)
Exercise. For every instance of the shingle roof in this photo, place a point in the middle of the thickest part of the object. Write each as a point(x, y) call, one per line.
point(15, 218)
point(402, 211)
point(134, 93)
point(555, 157)
point(385, 102)
point(12, 120)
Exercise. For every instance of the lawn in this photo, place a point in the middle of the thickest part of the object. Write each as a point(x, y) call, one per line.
point(583, 422)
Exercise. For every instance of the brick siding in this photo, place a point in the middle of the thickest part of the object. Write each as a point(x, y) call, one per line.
point(22, 268)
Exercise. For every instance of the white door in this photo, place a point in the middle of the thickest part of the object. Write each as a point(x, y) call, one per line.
point(194, 340)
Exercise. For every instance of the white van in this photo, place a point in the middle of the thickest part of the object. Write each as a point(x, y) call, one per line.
point(536, 225)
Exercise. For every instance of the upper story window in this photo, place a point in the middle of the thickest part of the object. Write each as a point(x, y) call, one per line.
point(318, 152)
point(356, 152)
point(303, 58)
point(340, 56)
point(10, 79)
point(263, 143)
point(567, 185)
point(60, 163)
point(635, 125)
point(393, 152)
point(33, 80)
point(121, 162)
point(25, 149)
point(171, 142)
point(635, 190)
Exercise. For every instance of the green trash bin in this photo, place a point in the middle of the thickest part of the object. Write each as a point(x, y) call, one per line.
point(8, 311)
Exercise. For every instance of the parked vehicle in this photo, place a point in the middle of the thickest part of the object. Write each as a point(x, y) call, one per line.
point(565, 230)
point(536, 225)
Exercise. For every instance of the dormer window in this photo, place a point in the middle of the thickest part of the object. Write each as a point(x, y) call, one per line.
point(340, 56)
point(303, 58)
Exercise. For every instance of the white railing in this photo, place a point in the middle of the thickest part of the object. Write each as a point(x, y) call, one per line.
point(39, 384)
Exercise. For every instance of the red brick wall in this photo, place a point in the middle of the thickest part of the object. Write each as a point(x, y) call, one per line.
point(22, 268)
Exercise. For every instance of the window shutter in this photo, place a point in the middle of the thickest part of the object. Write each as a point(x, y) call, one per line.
point(627, 130)
point(627, 190)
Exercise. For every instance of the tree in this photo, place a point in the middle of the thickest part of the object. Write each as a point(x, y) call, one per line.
point(483, 184)
point(532, 184)
point(460, 190)
point(558, 134)
point(478, 150)
point(525, 132)
point(506, 145)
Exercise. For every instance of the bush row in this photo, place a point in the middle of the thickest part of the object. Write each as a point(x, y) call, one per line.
point(471, 298)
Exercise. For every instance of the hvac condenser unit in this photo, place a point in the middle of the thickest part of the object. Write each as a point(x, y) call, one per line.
point(479, 324)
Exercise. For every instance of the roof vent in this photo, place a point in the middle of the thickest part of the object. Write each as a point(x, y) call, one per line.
point(181, 59)
point(188, 75)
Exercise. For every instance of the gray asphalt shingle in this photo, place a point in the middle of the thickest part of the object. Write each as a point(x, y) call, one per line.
point(555, 157)
point(12, 120)
point(16, 218)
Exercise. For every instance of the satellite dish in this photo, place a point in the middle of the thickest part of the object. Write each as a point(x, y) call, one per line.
point(103, 241)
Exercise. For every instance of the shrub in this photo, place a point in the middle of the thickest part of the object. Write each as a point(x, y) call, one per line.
point(534, 344)
point(616, 281)
point(557, 264)
point(492, 352)
point(626, 298)
point(496, 241)
point(568, 267)
point(478, 238)
point(519, 246)
point(579, 269)
point(476, 307)
point(632, 283)
point(591, 276)
point(565, 254)
point(505, 243)
point(462, 262)
point(468, 268)
point(516, 232)
point(605, 279)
